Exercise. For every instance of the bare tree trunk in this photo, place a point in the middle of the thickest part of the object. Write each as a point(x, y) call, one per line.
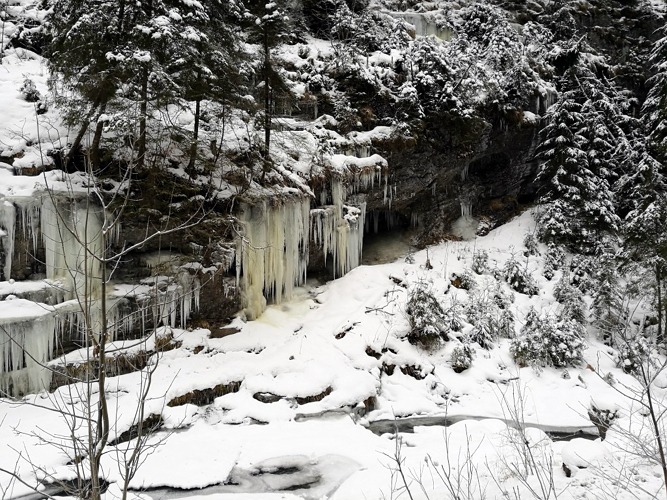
point(655, 423)
point(195, 140)
point(95, 158)
point(121, 15)
point(143, 112)
point(267, 104)
point(658, 278)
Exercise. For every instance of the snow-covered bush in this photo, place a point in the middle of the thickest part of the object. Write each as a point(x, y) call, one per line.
point(518, 277)
point(428, 321)
point(571, 300)
point(553, 260)
point(480, 261)
point(582, 272)
point(546, 341)
point(29, 91)
point(465, 280)
point(461, 357)
point(632, 353)
point(491, 316)
point(602, 418)
point(530, 242)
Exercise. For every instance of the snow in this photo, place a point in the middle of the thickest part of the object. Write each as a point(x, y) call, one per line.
point(583, 453)
point(321, 353)
point(310, 354)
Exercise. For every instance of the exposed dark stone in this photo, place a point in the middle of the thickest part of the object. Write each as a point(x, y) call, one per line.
point(373, 353)
point(314, 398)
point(151, 424)
point(223, 332)
point(266, 397)
point(413, 371)
point(203, 397)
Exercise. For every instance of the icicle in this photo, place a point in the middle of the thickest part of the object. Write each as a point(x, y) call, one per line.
point(339, 230)
point(27, 341)
point(7, 225)
point(72, 234)
point(464, 172)
point(272, 256)
point(466, 209)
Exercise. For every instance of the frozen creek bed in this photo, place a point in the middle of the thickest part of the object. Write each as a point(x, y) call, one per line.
point(308, 379)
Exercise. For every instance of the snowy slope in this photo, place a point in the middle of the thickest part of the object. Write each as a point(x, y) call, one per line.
point(302, 372)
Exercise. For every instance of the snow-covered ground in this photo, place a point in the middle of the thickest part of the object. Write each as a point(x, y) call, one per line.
point(315, 385)
point(310, 381)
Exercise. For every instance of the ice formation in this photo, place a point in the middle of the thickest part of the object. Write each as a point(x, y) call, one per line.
point(7, 226)
point(70, 231)
point(172, 300)
point(424, 25)
point(466, 209)
point(272, 254)
point(339, 229)
point(27, 340)
point(391, 220)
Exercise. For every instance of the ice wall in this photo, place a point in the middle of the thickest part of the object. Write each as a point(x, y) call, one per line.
point(27, 341)
point(338, 229)
point(272, 253)
point(69, 231)
point(72, 235)
point(7, 228)
point(424, 24)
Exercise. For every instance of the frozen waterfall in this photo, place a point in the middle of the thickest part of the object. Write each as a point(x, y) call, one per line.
point(272, 254)
point(339, 230)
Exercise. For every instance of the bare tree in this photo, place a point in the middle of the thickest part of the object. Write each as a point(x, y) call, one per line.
point(83, 247)
point(643, 436)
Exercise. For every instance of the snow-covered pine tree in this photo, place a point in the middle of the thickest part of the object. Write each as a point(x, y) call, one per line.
point(644, 227)
point(110, 57)
point(580, 208)
point(206, 65)
point(85, 76)
point(270, 26)
point(654, 109)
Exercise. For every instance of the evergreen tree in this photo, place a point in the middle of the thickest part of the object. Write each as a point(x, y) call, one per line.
point(645, 223)
point(576, 152)
point(654, 109)
point(206, 63)
point(85, 76)
point(111, 57)
point(270, 27)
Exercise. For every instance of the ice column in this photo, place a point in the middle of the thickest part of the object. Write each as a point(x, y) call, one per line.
point(72, 234)
point(339, 230)
point(27, 340)
point(272, 255)
point(7, 228)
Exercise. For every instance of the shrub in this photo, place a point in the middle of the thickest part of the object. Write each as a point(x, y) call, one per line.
point(491, 316)
point(480, 261)
point(29, 91)
point(632, 353)
point(530, 242)
point(483, 334)
point(428, 321)
point(518, 278)
point(553, 260)
point(464, 281)
point(461, 358)
point(571, 300)
point(547, 341)
point(582, 273)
